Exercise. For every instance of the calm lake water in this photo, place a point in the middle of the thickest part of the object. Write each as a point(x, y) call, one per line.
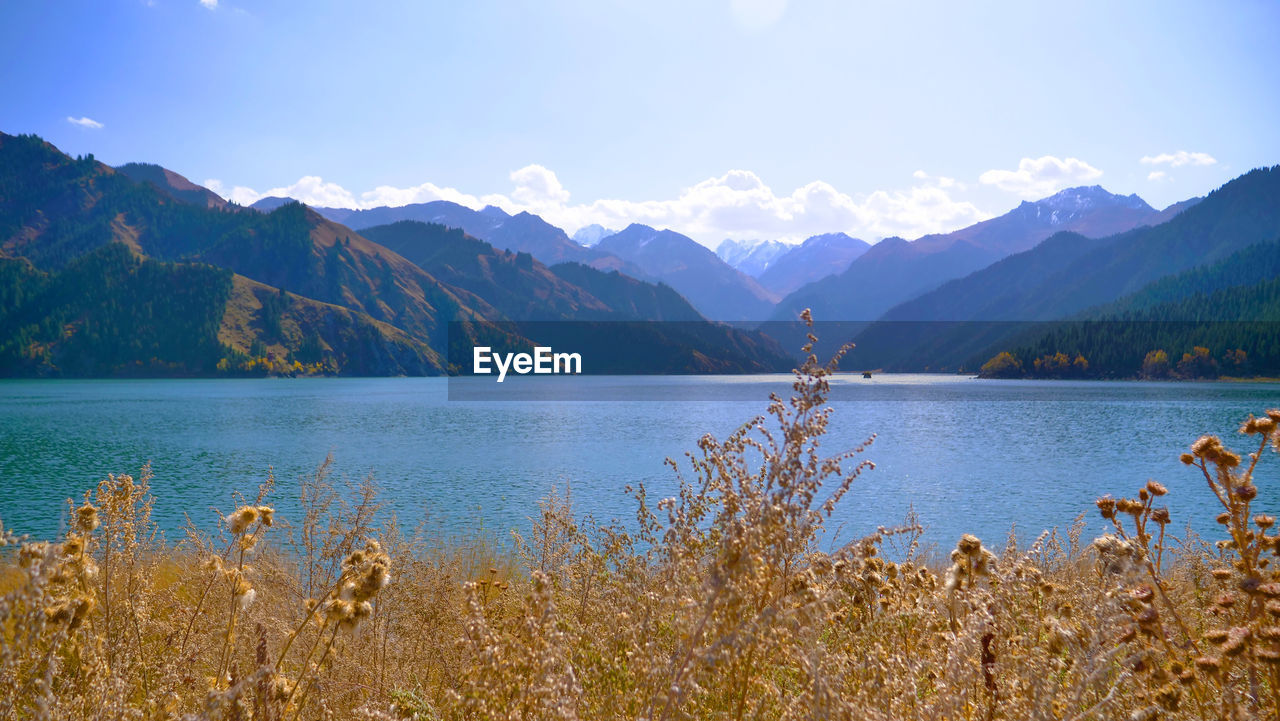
point(970, 455)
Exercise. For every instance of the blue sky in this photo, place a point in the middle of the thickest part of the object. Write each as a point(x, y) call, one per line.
point(718, 118)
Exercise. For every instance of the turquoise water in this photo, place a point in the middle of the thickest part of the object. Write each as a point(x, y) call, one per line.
point(969, 455)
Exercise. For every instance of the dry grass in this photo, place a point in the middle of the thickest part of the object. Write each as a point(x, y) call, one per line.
point(714, 603)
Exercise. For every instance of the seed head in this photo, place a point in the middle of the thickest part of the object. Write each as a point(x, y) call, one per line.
point(1263, 425)
point(1206, 447)
point(374, 580)
point(239, 586)
point(240, 521)
point(86, 518)
point(338, 610)
point(1130, 506)
point(73, 546)
point(1107, 506)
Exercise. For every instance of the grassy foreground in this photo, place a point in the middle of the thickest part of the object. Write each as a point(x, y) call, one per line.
point(713, 604)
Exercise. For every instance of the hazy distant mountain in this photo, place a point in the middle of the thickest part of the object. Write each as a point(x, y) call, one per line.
point(816, 258)
point(590, 235)
point(173, 184)
point(521, 232)
point(751, 256)
point(895, 270)
point(717, 290)
point(998, 291)
point(521, 287)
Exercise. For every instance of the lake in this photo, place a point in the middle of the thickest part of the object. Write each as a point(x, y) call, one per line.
point(970, 455)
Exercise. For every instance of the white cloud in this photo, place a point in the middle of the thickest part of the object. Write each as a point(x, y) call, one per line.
point(210, 4)
point(1179, 159)
point(311, 189)
point(538, 187)
point(425, 193)
point(1157, 175)
point(88, 123)
point(736, 204)
point(1040, 177)
point(740, 204)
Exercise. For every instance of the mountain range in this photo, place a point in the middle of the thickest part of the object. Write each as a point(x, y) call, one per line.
point(520, 232)
point(719, 291)
point(895, 270)
point(838, 277)
point(816, 258)
point(782, 268)
point(281, 291)
point(137, 270)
